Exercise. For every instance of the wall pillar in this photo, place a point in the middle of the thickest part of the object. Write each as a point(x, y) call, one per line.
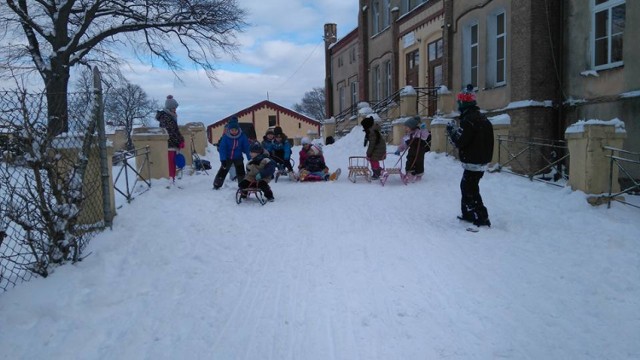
point(439, 135)
point(588, 163)
point(408, 102)
point(329, 128)
point(92, 208)
point(498, 130)
point(156, 139)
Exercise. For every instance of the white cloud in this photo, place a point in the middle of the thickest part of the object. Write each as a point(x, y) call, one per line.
point(281, 55)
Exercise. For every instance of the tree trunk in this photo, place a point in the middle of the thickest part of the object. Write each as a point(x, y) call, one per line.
point(56, 85)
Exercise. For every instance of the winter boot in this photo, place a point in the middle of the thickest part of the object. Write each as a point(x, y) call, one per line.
point(335, 175)
point(376, 174)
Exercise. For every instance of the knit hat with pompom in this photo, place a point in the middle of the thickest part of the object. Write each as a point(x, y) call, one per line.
point(170, 103)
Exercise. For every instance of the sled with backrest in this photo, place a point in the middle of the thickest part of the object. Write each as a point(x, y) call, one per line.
point(396, 169)
point(359, 167)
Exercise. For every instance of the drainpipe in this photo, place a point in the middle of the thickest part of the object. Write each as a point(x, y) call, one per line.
point(363, 45)
point(330, 37)
point(396, 49)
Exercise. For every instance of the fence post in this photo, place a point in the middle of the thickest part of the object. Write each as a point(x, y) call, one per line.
point(108, 196)
point(588, 164)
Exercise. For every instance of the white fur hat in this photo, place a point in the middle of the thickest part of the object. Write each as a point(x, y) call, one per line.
point(305, 140)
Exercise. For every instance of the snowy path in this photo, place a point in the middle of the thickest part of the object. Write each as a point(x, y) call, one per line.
point(343, 271)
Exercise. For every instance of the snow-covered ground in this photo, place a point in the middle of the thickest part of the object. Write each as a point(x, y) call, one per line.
point(342, 271)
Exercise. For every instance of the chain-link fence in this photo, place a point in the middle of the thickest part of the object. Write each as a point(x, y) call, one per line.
point(51, 183)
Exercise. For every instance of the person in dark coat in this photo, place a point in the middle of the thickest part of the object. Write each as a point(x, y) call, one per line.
point(168, 119)
point(377, 147)
point(231, 146)
point(281, 150)
point(474, 140)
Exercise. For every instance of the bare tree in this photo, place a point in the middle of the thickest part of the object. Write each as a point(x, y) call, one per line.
point(128, 105)
point(313, 104)
point(54, 36)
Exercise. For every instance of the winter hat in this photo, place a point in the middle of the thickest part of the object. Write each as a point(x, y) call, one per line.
point(270, 131)
point(277, 130)
point(170, 103)
point(367, 122)
point(466, 99)
point(412, 123)
point(315, 150)
point(256, 148)
point(233, 123)
point(305, 140)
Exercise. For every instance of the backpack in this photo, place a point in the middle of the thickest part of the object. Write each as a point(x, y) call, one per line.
point(200, 164)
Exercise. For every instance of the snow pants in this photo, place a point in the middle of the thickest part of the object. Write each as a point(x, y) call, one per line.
point(238, 164)
point(472, 207)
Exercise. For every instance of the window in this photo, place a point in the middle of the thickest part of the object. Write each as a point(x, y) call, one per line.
point(435, 50)
point(608, 31)
point(408, 5)
point(386, 14)
point(470, 55)
point(354, 95)
point(352, 55)
point(376, 83)
point(341, 97)
point(387, 77)
point(272, 120)
point(496, 49)
point(375, 17)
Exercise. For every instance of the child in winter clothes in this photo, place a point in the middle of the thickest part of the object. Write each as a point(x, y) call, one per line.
point(312, 166)
point(268, 140)
point(474, 140)
point(168, 119)
point(415, 143)
point(231, 146)
point(260, 171)
point(281, 150)
point(377, 149)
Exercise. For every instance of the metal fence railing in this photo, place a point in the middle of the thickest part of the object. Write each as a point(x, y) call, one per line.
point(625, 161)
point(132, 177)
point(537, 159)
point(52, 184)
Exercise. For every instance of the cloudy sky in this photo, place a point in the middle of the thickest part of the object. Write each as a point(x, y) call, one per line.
point(281, 56)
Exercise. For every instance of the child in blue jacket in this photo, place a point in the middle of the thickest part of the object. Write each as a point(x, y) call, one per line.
point(231, 146)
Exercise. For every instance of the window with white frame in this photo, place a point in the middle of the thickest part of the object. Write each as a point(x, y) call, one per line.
point(608, 33)
point(470, 55)
point(386, 13)
point(496, 49)
point(375, 17)
point(387, 77)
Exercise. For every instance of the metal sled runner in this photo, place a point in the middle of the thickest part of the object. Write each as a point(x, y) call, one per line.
point(246, 193)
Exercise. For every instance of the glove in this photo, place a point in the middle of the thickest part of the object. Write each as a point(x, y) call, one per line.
point(181, 146)
point(397, 152)
point(258, 177)
point(449, 128)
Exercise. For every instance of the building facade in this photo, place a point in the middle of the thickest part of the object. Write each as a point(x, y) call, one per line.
point(267, 115)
